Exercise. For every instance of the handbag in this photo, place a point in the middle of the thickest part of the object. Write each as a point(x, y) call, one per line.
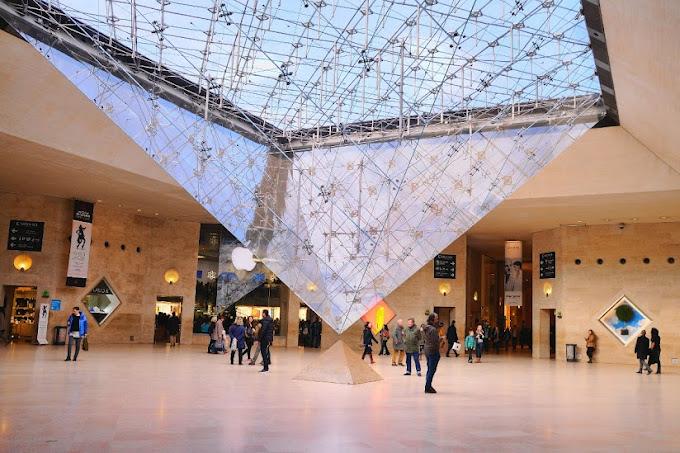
point(456, 347)
point(86, 344)
point(234, 344)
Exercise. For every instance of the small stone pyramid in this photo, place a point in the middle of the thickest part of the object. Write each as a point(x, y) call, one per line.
point(339, 365)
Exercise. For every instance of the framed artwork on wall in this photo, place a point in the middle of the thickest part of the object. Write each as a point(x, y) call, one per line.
point(625, 320)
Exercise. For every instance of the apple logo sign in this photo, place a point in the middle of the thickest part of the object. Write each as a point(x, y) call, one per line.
point(242, 258)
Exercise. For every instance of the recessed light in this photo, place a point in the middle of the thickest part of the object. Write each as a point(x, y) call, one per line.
point(99, 201)
point(634, 219)
point(607, 220)
point(579, 221)
point(120, 205)
point(663, 217)
point(139, 210)
point(155, 213)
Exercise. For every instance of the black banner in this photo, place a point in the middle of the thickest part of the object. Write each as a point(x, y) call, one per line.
point(25, 235)
point(445, 266)
point(546, 266)
point(81, 237)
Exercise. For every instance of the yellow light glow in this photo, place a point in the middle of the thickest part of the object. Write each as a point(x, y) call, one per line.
point(475, 296)
point(171, 276)
point(22, 263)
point(444, 289)
point(547, 289)
point(311, 287)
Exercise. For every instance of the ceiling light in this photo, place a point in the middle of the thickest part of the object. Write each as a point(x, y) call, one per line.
point(663, 217)
point(155, 213)
point(139, 210)
point(99, 201)
point(634, 219)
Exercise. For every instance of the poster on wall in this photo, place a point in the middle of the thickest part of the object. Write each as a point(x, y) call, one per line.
point(43, 318)
point(513, 273)
point(81, 236)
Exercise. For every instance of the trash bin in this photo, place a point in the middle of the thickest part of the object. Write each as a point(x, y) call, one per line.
point(59, 335)
point(571, 353)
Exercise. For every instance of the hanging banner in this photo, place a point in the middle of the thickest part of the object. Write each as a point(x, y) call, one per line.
point(513, 273)
point(81, 235)
point(43, 318)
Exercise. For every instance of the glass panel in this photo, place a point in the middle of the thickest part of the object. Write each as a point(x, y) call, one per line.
point(101, 302)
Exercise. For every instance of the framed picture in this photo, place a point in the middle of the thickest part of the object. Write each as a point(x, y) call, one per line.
point(625, 320)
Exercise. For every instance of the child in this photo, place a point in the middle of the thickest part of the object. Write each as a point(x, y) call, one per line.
point(470, 345)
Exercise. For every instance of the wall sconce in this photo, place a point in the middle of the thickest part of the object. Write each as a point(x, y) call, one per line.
point(558, 315)
point(22, 263)
point(444, 289)
point(547, 289)
point(171, 276)
point(475, 296)
point(311, 287)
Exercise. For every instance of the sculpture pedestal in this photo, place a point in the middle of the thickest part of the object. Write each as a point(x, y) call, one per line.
point(339, 365)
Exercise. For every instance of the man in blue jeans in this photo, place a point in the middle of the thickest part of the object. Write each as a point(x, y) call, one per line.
point(431, 334)
point(412, 337)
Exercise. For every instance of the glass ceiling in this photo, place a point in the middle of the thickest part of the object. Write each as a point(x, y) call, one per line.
point(342, 224)
point(301, 64)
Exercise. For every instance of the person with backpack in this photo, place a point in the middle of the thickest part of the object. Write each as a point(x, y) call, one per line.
point(412, 338)
point(398, 344)
point(173, 329)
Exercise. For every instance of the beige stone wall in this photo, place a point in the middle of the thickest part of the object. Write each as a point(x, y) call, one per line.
point(416, 295)
point(582, 293)
point(137, 278)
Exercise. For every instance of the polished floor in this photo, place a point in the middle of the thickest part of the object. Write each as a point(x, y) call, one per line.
point(144, 398)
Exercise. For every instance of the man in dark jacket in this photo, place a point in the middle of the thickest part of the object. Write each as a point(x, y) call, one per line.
point(173, 329)
point(451, 337)
point(431, 335)
point(266, 339)
point(642, 351)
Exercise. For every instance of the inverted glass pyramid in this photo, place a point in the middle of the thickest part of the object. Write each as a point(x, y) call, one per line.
point(344, 224)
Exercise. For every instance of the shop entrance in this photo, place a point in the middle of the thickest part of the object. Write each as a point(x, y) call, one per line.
point(19, 312)
point(445, 315)
point(165, 307)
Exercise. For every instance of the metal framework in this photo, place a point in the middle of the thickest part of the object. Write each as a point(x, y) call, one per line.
point(345, 143)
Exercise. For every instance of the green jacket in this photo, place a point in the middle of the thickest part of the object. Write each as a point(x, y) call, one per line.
point(412, 338)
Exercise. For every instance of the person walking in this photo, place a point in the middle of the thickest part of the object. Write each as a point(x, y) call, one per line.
point(76, 326)
point(398, 344)
point(591, 344)
point(384, 338)
point(642, 352)
point(412, 337)
point(655, 350)
point(470, 345)
point(248, 325)
point(479, 343)
point(173, 329)
point(266, 339)
point(431, 349)
point(237, 340)
point(451, 338)
point(256, 342)
point(212, 335)
point(368, 339)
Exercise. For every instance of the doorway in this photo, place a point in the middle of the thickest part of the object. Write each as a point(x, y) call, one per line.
point(165, 307)
point(547, 334)
point(19, 312)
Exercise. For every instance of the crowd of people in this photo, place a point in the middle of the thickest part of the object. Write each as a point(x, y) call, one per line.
point(239, 338)
point(310, 333)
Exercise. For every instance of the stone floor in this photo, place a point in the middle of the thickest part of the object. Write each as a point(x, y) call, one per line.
point(144, 398)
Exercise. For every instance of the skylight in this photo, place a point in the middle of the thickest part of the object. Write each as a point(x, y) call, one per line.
point(300, 64)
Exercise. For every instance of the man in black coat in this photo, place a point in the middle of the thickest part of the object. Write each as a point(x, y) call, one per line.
point(266, 338)
point(451, 337)
point(642, 351)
